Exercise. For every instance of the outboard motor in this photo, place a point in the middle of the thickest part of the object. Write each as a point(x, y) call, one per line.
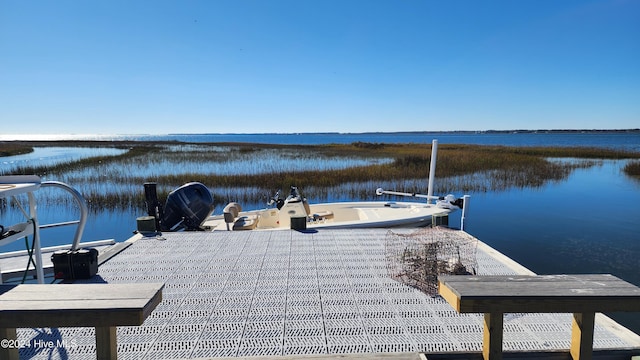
point(187, 207)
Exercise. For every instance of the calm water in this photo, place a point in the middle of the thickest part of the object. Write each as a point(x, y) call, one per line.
point(52, 156)
point(589, 223)
point(609, 140)
point(628, 140)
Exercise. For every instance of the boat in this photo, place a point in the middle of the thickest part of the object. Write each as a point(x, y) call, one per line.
point(190, 207)
point(296, 213)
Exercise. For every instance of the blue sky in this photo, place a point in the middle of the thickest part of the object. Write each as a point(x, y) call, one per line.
point(214, 66)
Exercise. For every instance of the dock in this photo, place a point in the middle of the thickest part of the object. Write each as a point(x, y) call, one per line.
point(291, 294)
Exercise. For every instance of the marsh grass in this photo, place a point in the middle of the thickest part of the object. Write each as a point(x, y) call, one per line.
point(11, 149)
point(632, 168)
point(250, 172)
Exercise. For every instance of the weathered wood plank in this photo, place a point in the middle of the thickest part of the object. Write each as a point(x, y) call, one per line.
point(103, 306)
point(71, 305)
point(358, 356)
point(79, 291)
point(96, 305)
point(583, 295)
point(450, 294)
point(90, 316)
point(565, 285)
point(538, 294)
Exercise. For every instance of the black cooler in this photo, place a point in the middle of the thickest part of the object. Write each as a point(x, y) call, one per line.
point(75, 264)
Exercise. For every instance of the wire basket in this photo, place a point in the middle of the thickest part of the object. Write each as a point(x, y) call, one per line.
point(416, 259)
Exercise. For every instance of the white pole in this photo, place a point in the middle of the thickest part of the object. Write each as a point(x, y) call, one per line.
point(432, 169)
point(465, 202)
point(381, 191)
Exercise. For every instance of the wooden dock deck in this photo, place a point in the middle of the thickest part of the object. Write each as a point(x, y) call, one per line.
point(289, 293)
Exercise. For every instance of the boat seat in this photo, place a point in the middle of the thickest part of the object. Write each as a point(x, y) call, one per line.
point(246, 223)
point(317, 215)
point(322, 215)
point(231, 214)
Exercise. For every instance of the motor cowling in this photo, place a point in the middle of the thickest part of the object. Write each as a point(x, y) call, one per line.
point(187, 207)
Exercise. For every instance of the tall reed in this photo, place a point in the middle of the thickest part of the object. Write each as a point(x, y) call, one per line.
point(632, 168)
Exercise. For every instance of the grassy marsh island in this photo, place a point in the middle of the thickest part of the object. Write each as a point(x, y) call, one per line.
point(249, 173)
point(633, 169)
point(10, 149)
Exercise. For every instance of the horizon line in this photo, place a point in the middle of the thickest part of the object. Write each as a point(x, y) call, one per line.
point(7, 137)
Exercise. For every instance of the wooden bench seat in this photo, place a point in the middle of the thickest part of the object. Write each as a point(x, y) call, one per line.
point(582, 295)
point(103, 306)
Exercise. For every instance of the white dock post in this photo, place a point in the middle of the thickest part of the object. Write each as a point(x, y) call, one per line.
point(432, 169)
point(465, 202)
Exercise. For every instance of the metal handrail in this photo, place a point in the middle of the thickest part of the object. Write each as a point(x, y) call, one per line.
point(84, 211)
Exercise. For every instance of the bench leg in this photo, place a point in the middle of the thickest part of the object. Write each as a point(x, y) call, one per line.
point(106, 345)
point(582, 336)
point(9, 350)
point(492, 336)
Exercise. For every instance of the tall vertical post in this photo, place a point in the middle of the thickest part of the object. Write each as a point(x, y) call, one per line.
point(492, 336)
point(465, 202)
point(37, 248)
point(9, 352)
point(432, 169)
point(582, 336)
point(154, 208)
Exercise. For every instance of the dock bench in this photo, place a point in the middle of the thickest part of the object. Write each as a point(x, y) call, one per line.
point(103, 306)
point(582, 295)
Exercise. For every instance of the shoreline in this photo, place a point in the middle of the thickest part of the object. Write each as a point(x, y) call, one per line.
point(122, 137)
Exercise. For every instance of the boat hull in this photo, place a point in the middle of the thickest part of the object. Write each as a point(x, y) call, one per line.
point(340, 215)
